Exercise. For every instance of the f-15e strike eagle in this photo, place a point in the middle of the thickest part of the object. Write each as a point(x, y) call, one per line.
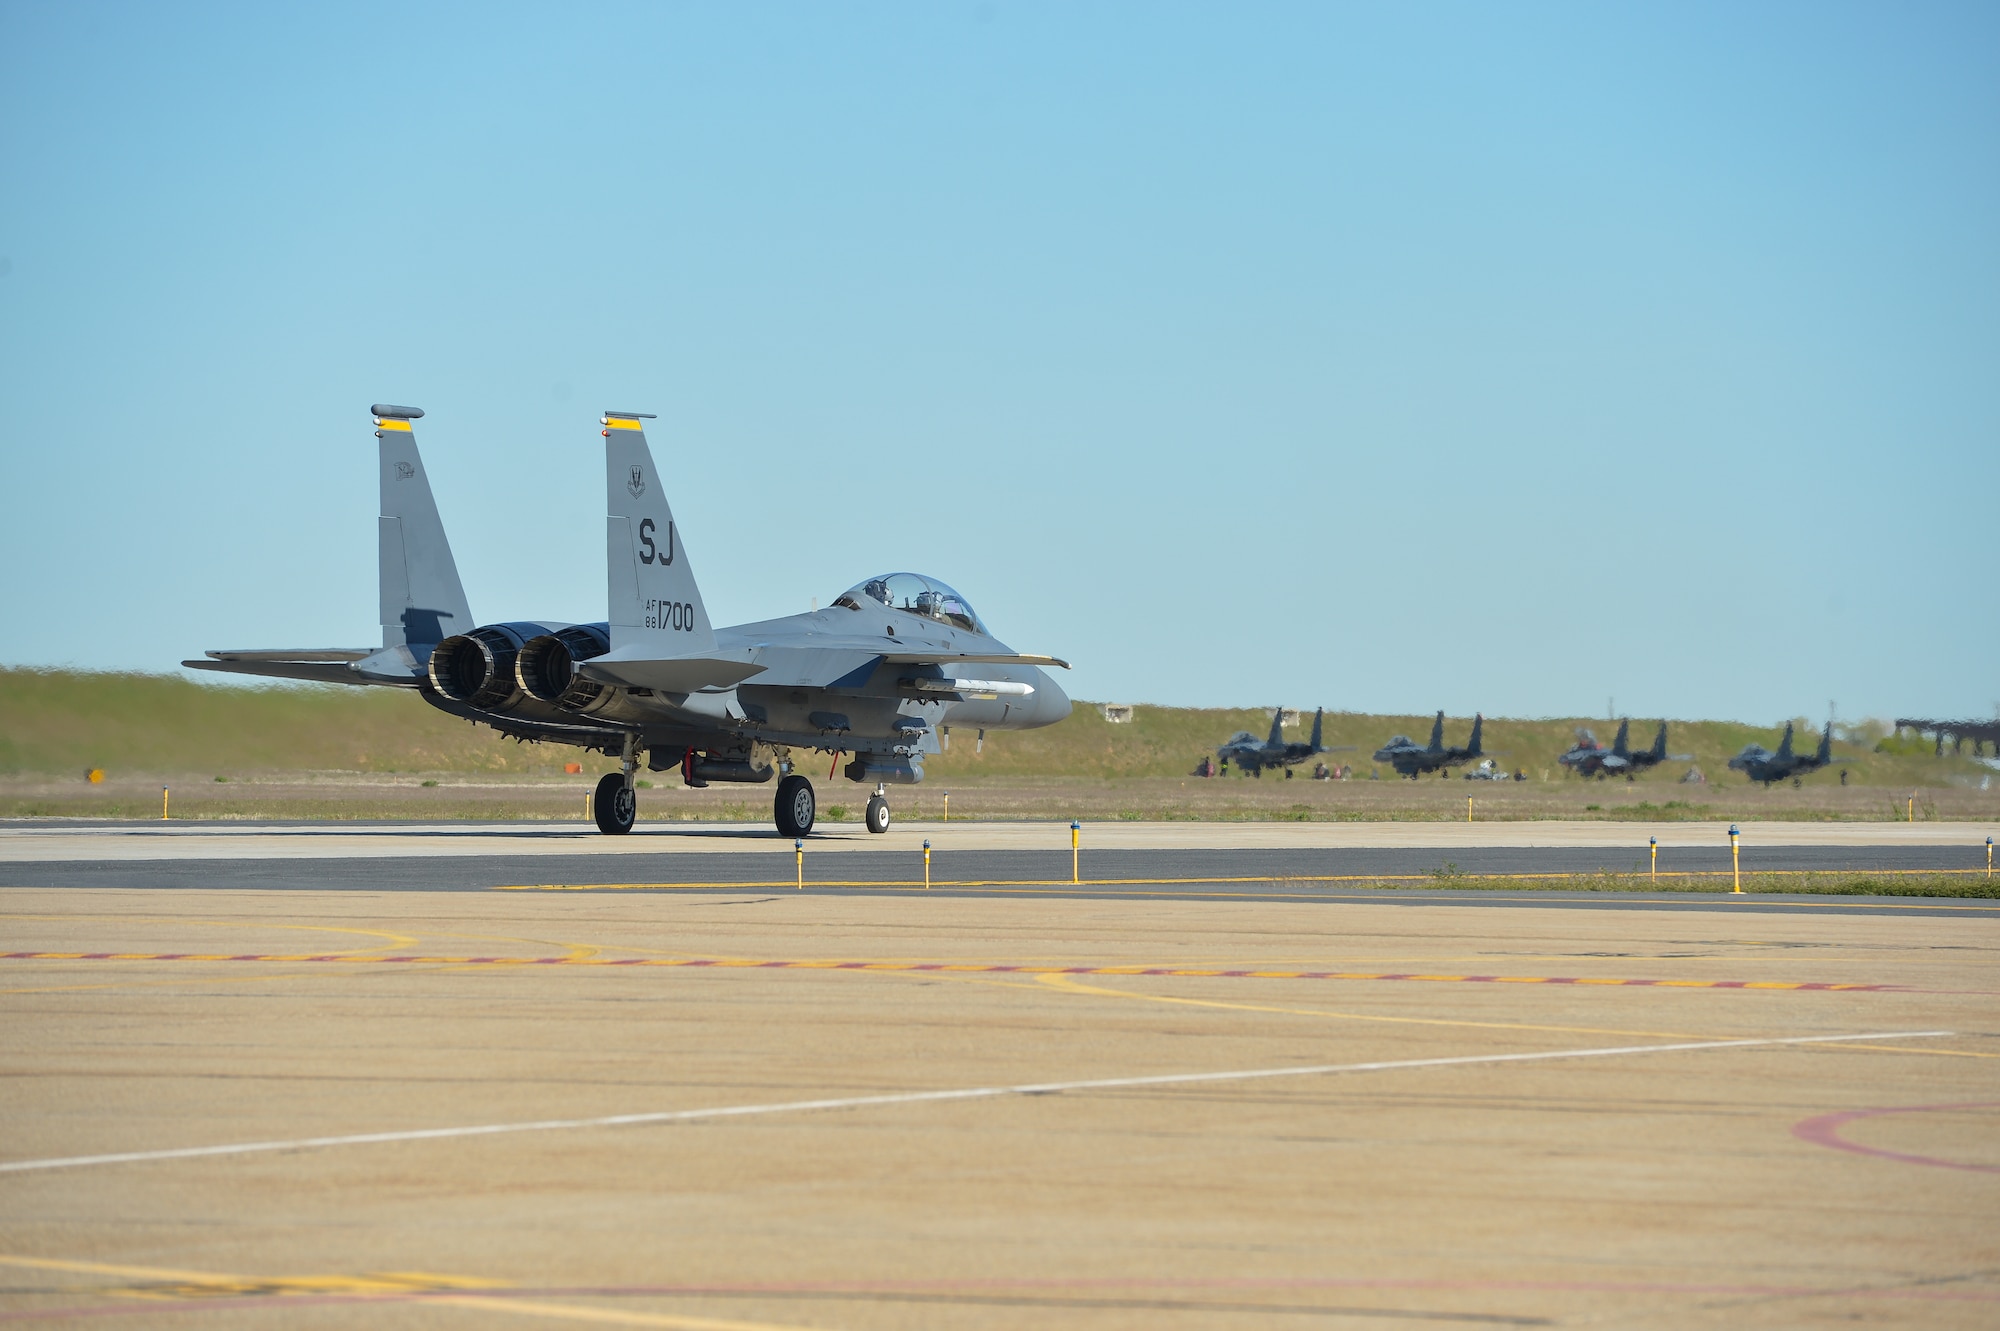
point(1243, 749)
point(879, 675)
point(1413, 760)
point(1589, 758)
point(1760, 764)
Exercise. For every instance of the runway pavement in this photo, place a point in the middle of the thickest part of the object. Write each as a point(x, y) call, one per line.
point(762, 1110)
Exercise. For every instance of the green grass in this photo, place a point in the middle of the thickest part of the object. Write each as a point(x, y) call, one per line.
point(1971, 886)
point(54, 721)
point(56, 724)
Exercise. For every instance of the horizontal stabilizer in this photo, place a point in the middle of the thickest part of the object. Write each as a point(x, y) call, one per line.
point(299, 654)
point(390, 666)
point(972, 658)
point(319, 672)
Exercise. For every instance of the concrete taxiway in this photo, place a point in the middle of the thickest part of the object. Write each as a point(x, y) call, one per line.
point(753, 1109)
point(1283, 861)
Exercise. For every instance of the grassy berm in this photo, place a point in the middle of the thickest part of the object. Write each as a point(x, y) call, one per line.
point(326, 752)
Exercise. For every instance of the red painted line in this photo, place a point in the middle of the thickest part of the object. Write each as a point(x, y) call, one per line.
point(882, 967)
point(1824, 1130)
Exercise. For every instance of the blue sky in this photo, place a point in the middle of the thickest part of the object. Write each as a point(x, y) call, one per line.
point(1510, 357)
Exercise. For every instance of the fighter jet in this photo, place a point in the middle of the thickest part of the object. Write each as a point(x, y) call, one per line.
point(879, 676)
point(1586, 757)
point(1760, 764)
point(1589, 758)
point(1411, 760)
point(1250, 756)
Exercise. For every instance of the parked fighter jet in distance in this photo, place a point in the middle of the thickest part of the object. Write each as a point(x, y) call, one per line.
point(1760, 764)
point(1250, 756)
point(1411, 760)
point(1589, 758)
point(880, 675)
point(1586, 757)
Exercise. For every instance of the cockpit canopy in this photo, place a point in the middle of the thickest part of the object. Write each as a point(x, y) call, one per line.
point(916, 595)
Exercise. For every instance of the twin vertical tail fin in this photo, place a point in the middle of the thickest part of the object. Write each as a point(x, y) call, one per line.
point(1437, 732)
point(653, 601)
point(1621, 746)
point(1277, 729)
point(1660, 744)
point(1785, 744)
point(1825, 754)
point(1472, 750)
point(423, 602)
point(1318, 715)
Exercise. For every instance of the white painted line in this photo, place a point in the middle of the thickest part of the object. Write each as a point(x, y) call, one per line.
point(924, 1097)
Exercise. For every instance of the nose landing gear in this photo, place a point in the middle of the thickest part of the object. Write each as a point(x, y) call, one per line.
point(878, 810)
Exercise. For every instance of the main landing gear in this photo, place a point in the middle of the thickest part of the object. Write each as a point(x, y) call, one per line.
point(616, 803)
point(878, 810)
point(795, 806)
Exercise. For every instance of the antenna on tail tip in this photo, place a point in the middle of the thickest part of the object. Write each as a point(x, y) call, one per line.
point(384, 411)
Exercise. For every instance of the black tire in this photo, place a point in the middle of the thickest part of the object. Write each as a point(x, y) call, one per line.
point(878, 814)
point(615, 804)
point(795, 807)
point(1288, 774)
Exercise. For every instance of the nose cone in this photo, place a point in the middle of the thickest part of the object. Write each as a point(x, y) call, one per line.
point(1051, 704)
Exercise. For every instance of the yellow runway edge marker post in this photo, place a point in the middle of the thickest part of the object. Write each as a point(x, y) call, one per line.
point(1735, 861)
point(1075, 836)
point(927, 866)
point(799, 850)
point(947, 806)
point(163, 804)
point(1989, 857)
point(1468, 808)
